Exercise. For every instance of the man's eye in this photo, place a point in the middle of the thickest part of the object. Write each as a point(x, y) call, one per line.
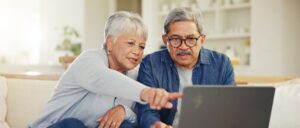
point(175, 39)
point(190, 39)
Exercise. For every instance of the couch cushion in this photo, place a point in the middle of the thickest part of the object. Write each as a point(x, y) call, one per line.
point(26, 99)
point(286, 105)
point(3, 106)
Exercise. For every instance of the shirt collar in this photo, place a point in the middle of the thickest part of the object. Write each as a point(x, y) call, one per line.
point(204, 56)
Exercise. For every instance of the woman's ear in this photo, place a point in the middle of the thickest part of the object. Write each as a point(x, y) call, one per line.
point(108, 43)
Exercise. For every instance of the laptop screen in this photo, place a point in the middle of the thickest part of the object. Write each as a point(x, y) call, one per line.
point(226, 107)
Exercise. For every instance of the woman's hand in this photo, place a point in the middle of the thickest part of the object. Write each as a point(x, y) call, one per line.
point(159, 98)
point(160, 124)
point(113, 118)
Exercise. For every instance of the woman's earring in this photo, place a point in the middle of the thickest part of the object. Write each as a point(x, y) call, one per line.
point(108, 52)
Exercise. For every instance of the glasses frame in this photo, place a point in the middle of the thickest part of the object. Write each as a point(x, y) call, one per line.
point(181, 40)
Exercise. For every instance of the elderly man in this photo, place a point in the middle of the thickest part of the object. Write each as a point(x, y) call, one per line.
point(184, 63)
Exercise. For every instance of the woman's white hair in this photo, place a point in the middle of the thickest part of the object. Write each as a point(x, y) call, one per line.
point(121, 22)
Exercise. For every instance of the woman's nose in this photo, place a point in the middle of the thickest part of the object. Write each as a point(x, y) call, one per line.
point(136, 50)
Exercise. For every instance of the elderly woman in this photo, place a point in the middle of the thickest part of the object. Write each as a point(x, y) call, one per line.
point(94, 91)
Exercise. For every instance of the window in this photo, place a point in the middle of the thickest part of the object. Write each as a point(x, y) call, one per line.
point(20, 32)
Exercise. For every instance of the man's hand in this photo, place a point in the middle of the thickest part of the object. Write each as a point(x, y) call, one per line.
point(159, 98)
point(112, 118)
point(159, 124)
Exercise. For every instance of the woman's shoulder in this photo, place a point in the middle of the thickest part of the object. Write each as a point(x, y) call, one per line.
point(92, 56)
point(90, 52)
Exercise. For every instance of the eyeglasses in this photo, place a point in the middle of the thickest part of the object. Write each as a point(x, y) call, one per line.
point(189, 41)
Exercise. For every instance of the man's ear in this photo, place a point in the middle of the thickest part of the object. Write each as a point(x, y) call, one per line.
point(165, 39)
point(202, 39)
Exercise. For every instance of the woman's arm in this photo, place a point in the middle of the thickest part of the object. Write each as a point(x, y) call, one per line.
point(91, 72)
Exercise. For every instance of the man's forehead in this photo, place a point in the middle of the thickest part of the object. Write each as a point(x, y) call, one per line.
point(183, 30)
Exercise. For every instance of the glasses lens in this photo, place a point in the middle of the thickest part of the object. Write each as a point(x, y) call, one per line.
point(175, 42)
point(191, 42)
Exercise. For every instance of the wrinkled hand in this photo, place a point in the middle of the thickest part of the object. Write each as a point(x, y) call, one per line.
point(159, 124)
point(159, 98)
point(112, 118)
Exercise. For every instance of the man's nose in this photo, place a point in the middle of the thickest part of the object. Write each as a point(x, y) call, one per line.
point(183, 45)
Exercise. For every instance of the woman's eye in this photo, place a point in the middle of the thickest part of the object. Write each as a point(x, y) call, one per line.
point(130, 43)
point(142, 47)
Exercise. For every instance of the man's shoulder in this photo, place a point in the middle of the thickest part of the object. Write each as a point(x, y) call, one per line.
point(158, 53)
point(213, 53)
point(156, 56)
point(214, 56)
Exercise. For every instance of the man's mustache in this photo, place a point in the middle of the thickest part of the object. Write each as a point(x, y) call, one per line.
point(183, 53)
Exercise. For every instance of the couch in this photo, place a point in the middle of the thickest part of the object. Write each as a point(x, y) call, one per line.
point(21, 100)
point(24, 100)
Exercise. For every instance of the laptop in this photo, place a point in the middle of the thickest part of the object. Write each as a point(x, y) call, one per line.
point(226, 107)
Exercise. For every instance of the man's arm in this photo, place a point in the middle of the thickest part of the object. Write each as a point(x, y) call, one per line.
point(228, 78)
point(145, 115)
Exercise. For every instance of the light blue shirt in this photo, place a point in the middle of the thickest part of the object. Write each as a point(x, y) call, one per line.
point(185, 79)
point(87, 90)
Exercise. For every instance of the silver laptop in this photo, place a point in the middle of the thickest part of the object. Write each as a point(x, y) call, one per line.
point(226, 107)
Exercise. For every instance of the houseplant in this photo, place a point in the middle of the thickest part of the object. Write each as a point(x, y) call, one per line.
point(70, 45)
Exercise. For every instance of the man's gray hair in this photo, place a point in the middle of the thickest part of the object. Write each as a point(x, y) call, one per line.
point(123, 21)
point(184, 14)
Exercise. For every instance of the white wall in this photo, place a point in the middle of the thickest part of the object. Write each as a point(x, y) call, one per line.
point(96, 14)
point(51, 16)
point(275, 38)
point(150, 11)
point(291, 37)
point(275, 31)
point(55, 14)
point(19, 31)
point(266, 37)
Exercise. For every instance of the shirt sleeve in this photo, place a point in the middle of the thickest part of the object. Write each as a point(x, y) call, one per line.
point(129, 114)
point(90, 70)
point(145, 115)
point(228, 77)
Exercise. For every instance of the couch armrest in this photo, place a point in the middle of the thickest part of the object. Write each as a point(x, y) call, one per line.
point(25, 100)
point(286, 107)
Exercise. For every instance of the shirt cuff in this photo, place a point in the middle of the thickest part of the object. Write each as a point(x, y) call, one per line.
point(139, 95)
point(129, 114)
